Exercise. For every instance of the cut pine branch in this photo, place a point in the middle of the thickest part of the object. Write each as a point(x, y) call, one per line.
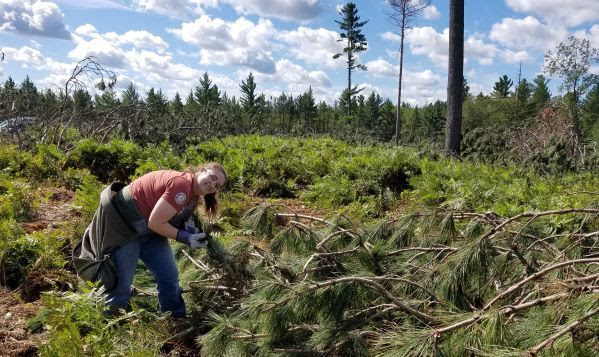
point(533, 352)
point(535, 276)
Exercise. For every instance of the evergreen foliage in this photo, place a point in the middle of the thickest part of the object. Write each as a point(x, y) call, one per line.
point(450, 258)
point(355, 42)
point(541, 94)
point(501, 89)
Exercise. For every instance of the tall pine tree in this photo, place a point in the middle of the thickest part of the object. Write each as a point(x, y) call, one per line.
point(206, 93)
point(502, 87)
point(540, 94)
point(355, 42)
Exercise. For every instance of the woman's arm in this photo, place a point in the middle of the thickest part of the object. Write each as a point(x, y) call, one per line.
point(159, 217)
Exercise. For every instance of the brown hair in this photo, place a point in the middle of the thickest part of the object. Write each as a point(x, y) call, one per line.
point(210, 200)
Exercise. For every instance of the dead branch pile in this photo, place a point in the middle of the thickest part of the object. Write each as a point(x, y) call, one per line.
point(439, 282)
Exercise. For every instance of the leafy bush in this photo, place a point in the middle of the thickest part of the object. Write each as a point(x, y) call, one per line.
point(503, 190)
point(45, 163)
point(72, 179)
point(87, 197)
point(159, 157)
point(12, 159)
point(368, 178)
point(117, 160)
point(51, 248)
point(16, 258)
point(17, 200)
point(79, 326)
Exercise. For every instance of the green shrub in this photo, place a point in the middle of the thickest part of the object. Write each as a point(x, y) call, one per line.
point(16, 258)
point(116, 161)
point(78, 326)
point(505, 191)
point(368, 179)
point(45, 163)
point(159, 157)
point(72, 179)
point(51, 247)
point(87, 197)
point(17, 201)
point(12, 159)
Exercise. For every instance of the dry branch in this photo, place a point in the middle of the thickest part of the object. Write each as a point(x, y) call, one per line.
point(535, 350)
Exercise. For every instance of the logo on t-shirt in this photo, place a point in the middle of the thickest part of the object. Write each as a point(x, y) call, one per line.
point(180, 198)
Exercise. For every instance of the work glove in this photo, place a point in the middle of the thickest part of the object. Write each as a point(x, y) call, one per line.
point(193, 240)
point(190, 226)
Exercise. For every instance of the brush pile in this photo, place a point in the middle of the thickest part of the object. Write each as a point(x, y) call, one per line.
point(431, 283)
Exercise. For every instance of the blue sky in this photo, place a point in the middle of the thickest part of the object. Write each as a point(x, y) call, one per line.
point(287, 44)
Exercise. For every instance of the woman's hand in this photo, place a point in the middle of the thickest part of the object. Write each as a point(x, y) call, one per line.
point(193, 240)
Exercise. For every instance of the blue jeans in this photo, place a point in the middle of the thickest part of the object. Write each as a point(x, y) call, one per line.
point(157, 255)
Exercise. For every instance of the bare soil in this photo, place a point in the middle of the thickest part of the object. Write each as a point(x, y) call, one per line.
point(15, 339)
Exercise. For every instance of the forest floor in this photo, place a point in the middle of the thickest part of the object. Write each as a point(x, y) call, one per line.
point(15, 337)
point(19, 306)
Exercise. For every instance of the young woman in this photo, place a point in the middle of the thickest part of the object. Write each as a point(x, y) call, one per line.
point(156, 206)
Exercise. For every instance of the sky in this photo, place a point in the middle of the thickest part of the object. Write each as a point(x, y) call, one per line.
point(288, 45)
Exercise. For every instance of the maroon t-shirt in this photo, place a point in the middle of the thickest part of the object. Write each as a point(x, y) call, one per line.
point(174, 186)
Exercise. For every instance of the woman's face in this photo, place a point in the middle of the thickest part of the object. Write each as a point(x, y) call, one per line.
point(210, 181)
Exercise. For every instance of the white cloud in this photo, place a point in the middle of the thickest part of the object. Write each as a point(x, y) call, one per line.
point(240, 42)
point(138, 55)
point(592, 35)
point(418, 88)
point(313, 46)
point(179, 9)
point(475, 47)
point(428, 42)
point(368, 88)
point(289, 78)
point(39, 18)
point(139, 39)
point(293, 10)
point(108, 48)
point(510, 56)
point(431, 13)
point(294, 74)
point(86, 30)
point(390, 36)
point(423, 79)
point(435, 45)
point(297, 10)
point(217, 34)
point(107, 52)
point(224, 83)
point(526, 33)
point(25, 54)
point(248, 57)
point(159, 67)
point(205, 32)
point(382, 68)
point(60, 72)
point(559, 12)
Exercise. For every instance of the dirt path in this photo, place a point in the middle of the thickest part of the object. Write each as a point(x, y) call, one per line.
point(15, 339)
point(51, 213)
